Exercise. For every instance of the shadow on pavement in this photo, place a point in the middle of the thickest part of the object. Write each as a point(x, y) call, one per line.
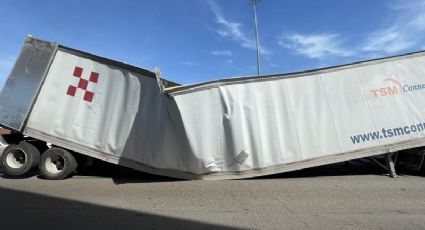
point(349, 168)
point(123, 175)
point(24, 210)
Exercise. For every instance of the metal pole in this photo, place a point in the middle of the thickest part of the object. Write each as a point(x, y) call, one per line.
point(254, 2)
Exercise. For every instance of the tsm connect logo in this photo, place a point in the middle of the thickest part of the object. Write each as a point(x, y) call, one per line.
point(393, 87)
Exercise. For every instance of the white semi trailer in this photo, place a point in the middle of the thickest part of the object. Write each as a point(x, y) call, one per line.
point(63, 103)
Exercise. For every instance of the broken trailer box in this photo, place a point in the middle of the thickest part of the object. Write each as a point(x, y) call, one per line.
point(223, 129)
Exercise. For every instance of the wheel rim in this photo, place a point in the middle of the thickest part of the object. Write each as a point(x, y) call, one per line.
point(55, 164)
point(16, 158)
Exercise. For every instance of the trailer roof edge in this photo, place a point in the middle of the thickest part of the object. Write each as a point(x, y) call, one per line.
point(182, 89)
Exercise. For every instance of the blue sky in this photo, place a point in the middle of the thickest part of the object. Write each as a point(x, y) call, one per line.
point(200, 40)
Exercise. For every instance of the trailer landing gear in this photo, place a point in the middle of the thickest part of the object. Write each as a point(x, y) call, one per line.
point(390, 163)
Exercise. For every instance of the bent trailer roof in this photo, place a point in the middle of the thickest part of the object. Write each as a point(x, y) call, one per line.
point(109, 61)
point(183, 89)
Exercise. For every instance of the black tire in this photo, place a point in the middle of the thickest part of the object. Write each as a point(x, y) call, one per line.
point(30, 148)
point(57, 164)
point(17, 160)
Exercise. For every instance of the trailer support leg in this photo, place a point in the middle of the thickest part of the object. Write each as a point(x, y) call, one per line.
point(390, 165)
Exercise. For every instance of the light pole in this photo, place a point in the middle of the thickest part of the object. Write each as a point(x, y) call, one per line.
point(254, 3)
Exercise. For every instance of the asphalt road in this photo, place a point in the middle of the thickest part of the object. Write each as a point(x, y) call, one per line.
point(342, 196)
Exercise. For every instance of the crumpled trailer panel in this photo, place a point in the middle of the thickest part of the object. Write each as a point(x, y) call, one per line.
point(263, 125)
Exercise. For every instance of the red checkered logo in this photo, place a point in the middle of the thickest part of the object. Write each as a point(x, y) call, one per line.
point(83, 83)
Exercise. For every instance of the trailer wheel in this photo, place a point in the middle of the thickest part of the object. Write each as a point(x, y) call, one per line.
point(31, 149)
point(17, 159)
point(57, 164)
